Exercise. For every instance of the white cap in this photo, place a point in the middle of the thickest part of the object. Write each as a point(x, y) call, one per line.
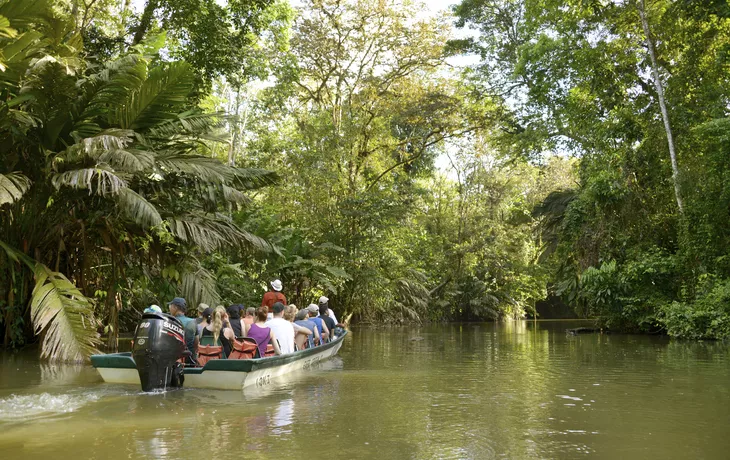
point(276, 284)
point(322, 300)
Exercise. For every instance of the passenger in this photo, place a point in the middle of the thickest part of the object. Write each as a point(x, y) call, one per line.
point(201, 309)
point(282, 328)
point(234, 316)
point(302, 319)
point(150, 309)
point(325, 301)
point(301, 333)
point(225, 321)
point(217, 329)
point(178, 307)
point(329, 322)
point(262, 334)
point(273, 296)
point(324, 331)
point(206, 316)
point(153, 309)
point(249, 319)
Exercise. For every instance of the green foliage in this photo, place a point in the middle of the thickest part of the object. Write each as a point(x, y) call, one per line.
point(107, 177)
point(707, 316)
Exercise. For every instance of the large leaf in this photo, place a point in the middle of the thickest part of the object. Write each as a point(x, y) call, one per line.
point(199, 286)
point(64, 315)
point(160, 97)
point(138, 208)
point(12, 187)
point(97, 180)
point(188, 123)
point(128, 160)
point(211, 232)
point(200, 167)
point(254, 178)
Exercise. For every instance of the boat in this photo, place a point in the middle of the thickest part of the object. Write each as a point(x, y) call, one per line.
point(153, 365)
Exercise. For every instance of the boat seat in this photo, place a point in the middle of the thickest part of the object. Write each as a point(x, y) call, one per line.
point(209, 352)
point(244, 348)
point(269, 350)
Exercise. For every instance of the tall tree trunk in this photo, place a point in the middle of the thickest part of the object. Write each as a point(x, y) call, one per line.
point(662, 105)
point(113, 305)
point(145, 21)
point(234, 142)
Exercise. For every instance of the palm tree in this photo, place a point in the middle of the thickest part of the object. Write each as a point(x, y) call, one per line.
point(105, 171)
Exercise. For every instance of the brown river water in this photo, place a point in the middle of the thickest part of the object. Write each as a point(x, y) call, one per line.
point(517, 390)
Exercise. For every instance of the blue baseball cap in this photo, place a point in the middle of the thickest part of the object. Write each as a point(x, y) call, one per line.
point(180, 303)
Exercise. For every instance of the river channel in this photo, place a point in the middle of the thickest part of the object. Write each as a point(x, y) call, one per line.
point(477, 391)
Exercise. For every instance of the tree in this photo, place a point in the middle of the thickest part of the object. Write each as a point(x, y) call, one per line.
point(104, 172)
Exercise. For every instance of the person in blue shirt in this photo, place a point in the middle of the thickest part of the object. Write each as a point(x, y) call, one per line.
point(324, 332)
point(178, 308)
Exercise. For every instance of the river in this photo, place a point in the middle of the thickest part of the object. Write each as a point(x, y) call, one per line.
point(478, 391)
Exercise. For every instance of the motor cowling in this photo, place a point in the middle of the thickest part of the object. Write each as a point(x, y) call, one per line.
point(159, 343)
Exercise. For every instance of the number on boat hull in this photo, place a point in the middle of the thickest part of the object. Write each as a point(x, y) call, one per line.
point(263, 380)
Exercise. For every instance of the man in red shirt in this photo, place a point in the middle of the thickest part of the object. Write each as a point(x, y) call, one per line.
point(273, 296)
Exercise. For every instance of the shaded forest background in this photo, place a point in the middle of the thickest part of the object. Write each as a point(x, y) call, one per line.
point(201, 148)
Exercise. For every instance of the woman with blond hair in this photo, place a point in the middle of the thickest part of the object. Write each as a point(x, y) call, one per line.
point(219, 330)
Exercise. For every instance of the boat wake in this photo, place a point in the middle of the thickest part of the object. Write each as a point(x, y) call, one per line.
point(24, 407)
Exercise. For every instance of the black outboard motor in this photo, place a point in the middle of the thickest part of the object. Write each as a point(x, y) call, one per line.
point(158, 344)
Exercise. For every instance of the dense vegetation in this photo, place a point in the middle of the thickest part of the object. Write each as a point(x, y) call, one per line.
point(203, 148)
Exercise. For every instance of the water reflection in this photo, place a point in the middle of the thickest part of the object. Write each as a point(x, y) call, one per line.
point(513, 390)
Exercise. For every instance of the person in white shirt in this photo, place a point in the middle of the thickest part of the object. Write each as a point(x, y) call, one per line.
point(325, 301)
point(282, 328)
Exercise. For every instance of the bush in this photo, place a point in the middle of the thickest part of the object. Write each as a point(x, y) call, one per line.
point(705, 317)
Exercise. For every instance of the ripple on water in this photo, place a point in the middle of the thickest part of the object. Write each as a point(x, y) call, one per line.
point(25, 407)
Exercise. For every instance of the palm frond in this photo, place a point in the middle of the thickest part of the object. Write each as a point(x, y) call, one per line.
point(188, 123)
point(255, 178)
point(128, 160)
point(234, 196)
point(199, 286)
point(64, 315)
point(138, 208)
point(99, 144)
point(200, 167)
point(25, 13)
point(109, 89)
point(12, 187)
point(214, 231)
point(159, 98)
point(107, 182)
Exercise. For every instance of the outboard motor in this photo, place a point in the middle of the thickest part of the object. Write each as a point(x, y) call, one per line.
point(158, 345)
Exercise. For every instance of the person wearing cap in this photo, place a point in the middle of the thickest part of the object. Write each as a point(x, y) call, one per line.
point(325, 301)
point(201, 309)
point(283, 329)
point(313, 310)
point(150, 309)
point(153, 309)
point(302, 319)
point(273, 296)
point(178, 307)
point(328, 321)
